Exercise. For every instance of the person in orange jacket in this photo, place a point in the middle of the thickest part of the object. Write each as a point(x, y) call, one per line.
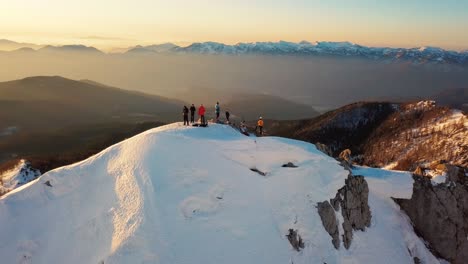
point(201, 113)
point(260, 125)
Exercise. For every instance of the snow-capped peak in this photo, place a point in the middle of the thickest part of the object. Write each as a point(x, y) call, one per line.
point(345, 48)
point(178, 194)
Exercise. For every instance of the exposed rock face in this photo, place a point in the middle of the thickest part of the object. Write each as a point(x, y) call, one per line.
point(327, 214)
point(295, 240)
point(440, 213)
point(353, 201)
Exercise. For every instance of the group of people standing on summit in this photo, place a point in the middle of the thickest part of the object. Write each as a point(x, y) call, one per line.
point(202, 112)
point(193, 109)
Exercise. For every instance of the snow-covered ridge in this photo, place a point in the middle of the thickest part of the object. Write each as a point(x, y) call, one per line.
point(416, 55)
point(178, 194)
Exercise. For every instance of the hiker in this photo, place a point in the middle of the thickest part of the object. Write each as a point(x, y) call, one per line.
point(260, 125)
point(201, 113)
point(217, 111)
point(227, 116)
point(192, 113)
point(243, 128)
point(185, 113)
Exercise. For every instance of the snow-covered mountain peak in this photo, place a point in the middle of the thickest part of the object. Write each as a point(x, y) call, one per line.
point(431, 49)
point(421, 55)
point(178, 194)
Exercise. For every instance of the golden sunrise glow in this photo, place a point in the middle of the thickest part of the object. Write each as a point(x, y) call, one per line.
point(106, 23)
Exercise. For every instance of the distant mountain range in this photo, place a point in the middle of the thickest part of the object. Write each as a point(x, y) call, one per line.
point(421, 55)
point(8, 45)
point(70, 48)
point(157, 48)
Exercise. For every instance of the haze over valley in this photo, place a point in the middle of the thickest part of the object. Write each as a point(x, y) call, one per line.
point(322, 81)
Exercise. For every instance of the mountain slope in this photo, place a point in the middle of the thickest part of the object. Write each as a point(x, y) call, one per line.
point(165, 197)
point(399, 135)
point(54, 120)
point(345, 127)
point(57, 101)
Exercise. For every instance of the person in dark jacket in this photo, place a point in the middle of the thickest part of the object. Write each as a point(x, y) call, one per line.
point(227, 116)
point(185, 113)
point(192, 113)
point(217, 111)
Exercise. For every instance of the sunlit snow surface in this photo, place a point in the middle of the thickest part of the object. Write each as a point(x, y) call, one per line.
point(187, 195)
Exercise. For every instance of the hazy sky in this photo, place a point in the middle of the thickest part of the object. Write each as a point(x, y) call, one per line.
point(115, 23)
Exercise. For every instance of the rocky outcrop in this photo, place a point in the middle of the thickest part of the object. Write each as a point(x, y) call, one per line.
point(352, 199)
point(289, 165)
point(258, 171)
point(439, 213)
point(327, 214)
point(295, 240)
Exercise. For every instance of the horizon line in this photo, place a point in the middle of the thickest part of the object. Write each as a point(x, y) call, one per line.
point(109, 50)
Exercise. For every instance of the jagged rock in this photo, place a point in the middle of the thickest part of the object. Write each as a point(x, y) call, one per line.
point(327, 214)
point(48, 183)
point(324, 148)
point(353, 201)
point(439, 213)
point(295, 240)
point(289, 165)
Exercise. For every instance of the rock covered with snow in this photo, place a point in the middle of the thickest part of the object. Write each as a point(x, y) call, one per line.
point(352, 201)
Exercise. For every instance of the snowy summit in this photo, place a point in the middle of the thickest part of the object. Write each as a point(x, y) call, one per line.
point(188, 195)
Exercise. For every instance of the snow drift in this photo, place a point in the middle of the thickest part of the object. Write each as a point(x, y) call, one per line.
point(179, 194)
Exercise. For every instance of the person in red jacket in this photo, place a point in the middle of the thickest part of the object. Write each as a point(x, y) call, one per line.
point(201, 113)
